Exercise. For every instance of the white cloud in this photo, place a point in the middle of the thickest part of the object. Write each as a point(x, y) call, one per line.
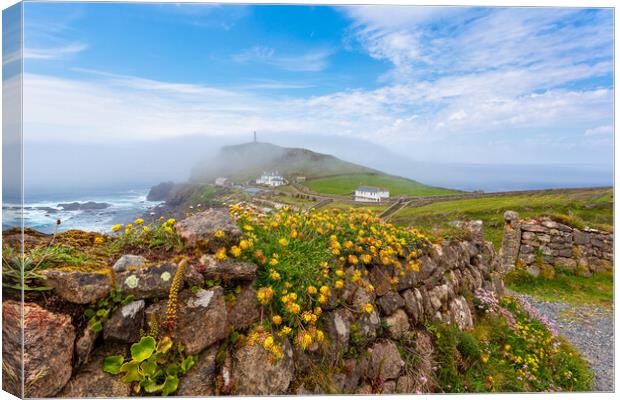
point(605, 130)
point(488, 77)
point(54, 53)
point(311, 61)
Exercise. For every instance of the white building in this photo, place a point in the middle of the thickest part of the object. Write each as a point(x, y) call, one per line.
point(221, 181)
point(271, 179)
point(371, 194)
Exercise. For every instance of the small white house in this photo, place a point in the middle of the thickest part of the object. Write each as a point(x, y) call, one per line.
point(371, 194)
point(271, 179)
point(221, 181)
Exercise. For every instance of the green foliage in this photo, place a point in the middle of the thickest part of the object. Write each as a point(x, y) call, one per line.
point(152, 236)
point(565, 286)
point(105, 307)
point(154, 366)
point(35, 260)
point(346, 184)
point(502, 356)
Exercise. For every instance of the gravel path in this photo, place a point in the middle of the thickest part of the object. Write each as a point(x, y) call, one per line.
point(591, 330)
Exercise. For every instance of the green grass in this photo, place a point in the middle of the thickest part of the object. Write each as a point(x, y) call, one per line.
point(346, 185)
point(294, 201)
point(579, 207)
point(491, 356)
point(361, 206)
point(597, 289)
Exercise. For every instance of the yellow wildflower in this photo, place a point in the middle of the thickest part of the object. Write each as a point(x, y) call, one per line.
point(305, 341)
point(235, 251)
point(353, 259)
point(139, 221)
point(368, 308)
point(220, 254)
point(171, 221)
point(311, 290)
point(276, 319)
point(339, 284)
point(117, 227)
point(264, 295)
point(273, 262)
point(268, 343)
point(219, 234)
point(274, 275)
point(283, 242)
point(244, 244)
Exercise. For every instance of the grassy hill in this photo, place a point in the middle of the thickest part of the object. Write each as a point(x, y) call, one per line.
point(247, 161)
point(346, 184)
point(592, 207)
point(324, 173)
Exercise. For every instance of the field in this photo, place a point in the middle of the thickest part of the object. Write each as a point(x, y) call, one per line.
point(597, 289)
point(346, 185)
point(593, 208)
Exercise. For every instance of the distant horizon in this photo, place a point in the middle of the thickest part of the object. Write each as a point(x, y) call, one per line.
point(468, 184)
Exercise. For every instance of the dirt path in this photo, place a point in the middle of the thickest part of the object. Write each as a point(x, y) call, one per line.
point(591, 330)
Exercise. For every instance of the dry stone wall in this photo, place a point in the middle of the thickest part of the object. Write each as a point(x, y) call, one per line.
point(363, 346)
point(538, 242)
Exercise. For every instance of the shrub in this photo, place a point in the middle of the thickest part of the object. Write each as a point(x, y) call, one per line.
point(306, 259)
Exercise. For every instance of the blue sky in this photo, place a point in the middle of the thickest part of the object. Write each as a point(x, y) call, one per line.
point(451, 84)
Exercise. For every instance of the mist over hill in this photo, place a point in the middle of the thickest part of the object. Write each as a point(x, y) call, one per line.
point(247, 161)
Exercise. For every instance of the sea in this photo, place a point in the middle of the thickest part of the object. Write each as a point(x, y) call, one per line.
point(42, 210)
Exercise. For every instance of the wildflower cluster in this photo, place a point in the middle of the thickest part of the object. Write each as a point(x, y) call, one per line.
point(159, 233)
point(262, 337)
point(531, 345)
point(306, 260)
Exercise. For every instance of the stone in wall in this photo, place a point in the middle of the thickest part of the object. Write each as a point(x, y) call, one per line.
point(545, 241)
point(512, 239)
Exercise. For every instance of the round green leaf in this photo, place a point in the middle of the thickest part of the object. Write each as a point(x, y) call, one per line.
point(172, 369)
point(143, 349)
point(188, 363)
point(150, 386)
point(89, 313)
point(132, 372)
point(112, 364)
point(170, 385)
point(95, 325)
point(148, 368)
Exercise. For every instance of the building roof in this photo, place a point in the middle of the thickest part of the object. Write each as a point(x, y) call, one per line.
point(370, 189)
point(275, 173)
